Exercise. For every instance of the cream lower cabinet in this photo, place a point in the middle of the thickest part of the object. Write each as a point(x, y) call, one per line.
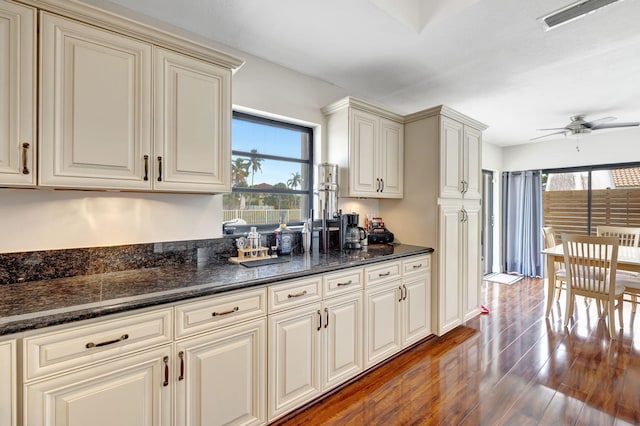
point(17, 94)
point(458, 289)
point(130, 391)
point(313, 348)
point(294, 373)
point(221, 377)
point(8, 396)
point(397, 307)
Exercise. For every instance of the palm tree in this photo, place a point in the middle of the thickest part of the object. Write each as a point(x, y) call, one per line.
point(295, 180)
point(239, 171)
point(293, 183)
point(255, 165)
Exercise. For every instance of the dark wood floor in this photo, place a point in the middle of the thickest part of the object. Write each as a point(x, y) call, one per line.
point(510, 367)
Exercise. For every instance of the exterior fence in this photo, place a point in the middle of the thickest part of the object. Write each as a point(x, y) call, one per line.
point(568, 211)
point(264, 217)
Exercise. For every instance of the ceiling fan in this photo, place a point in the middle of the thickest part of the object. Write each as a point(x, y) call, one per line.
point(580, 126)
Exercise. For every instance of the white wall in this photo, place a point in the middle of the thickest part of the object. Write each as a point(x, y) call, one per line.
point(602, 147)
point(43, 220)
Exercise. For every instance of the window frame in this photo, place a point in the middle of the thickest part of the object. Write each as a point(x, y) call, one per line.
point(257, 119)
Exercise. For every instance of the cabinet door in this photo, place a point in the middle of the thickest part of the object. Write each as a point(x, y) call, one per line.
point(223, 377)
point(391, 161)
point(451, 158)
point(363, 168)
point(449, 288)
point(472, 262)
point(192, 118)
point(473, 163)
point(95, 107)
point(382, 336)
point(8, 413)
point(342, 344)
point(17, 94)
point(131, 391)
point(294, 358)
point(416, 306)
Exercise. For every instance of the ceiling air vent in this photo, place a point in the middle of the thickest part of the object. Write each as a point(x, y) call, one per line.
point(574, 11)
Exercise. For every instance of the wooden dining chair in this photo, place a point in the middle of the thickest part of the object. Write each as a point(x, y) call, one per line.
point(591, 264)
point(559, 273)
point(628, 237)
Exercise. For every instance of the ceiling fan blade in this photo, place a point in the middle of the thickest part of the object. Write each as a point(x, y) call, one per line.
point(615, 125)
point(553, 128)
point(563, 132)
point(599, 121)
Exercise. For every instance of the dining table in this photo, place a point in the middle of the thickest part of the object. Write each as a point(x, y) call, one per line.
point(628, 260)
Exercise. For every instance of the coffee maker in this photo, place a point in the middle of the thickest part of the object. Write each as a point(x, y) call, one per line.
point(352, 234)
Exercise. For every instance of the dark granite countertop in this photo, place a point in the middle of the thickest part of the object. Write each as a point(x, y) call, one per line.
point(37, 304)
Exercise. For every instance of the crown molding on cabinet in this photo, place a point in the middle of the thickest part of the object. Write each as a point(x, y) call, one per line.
point(447, 112)
point(113, 22)
point(350, 101)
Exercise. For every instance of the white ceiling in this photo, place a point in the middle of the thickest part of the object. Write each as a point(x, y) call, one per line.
point(489, 59)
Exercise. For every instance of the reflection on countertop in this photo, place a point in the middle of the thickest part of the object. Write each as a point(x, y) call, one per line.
point(37, 304)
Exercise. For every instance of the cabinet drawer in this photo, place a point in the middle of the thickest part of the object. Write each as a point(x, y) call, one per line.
point(342, 282)
point(384, 272)
point(83, 345)
point(219, 311)
point(416, 265)
point(295, 293)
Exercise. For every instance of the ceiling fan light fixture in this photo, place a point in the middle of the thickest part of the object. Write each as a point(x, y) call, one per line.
point(573, 12)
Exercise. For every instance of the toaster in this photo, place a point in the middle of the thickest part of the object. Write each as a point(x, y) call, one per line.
point(380, 235)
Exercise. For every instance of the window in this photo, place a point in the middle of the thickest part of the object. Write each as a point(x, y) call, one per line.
point(271, 172)
point(579, 200)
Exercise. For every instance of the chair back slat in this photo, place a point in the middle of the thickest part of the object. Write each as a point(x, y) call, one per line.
point(626, 236)
point(591, 263)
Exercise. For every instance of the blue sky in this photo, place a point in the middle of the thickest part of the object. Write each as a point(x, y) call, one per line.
point(268, 140)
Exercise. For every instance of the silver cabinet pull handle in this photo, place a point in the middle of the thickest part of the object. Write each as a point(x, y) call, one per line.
point(417, 266)
point(400, 288)
point(386, 274)
point(319, 320)
point(25, 158)
point(342, 284)
point(302, 293)
point(159, 169)
point(108, 342)
point(326, 324)
point(146, 167)
point(181, 356)
point(230, 311)
point(382, 187)
point(377, 184)
point(405, 292)
point(166, 371)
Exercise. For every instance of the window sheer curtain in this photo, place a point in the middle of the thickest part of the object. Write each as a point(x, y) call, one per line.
point(522, 222)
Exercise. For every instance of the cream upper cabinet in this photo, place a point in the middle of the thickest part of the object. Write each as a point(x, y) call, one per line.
point(192, 117)
point(95, 107)
point(367, 144)
point(17, 94)
point(460, 160)
point(126, 107)
point(8, 396)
